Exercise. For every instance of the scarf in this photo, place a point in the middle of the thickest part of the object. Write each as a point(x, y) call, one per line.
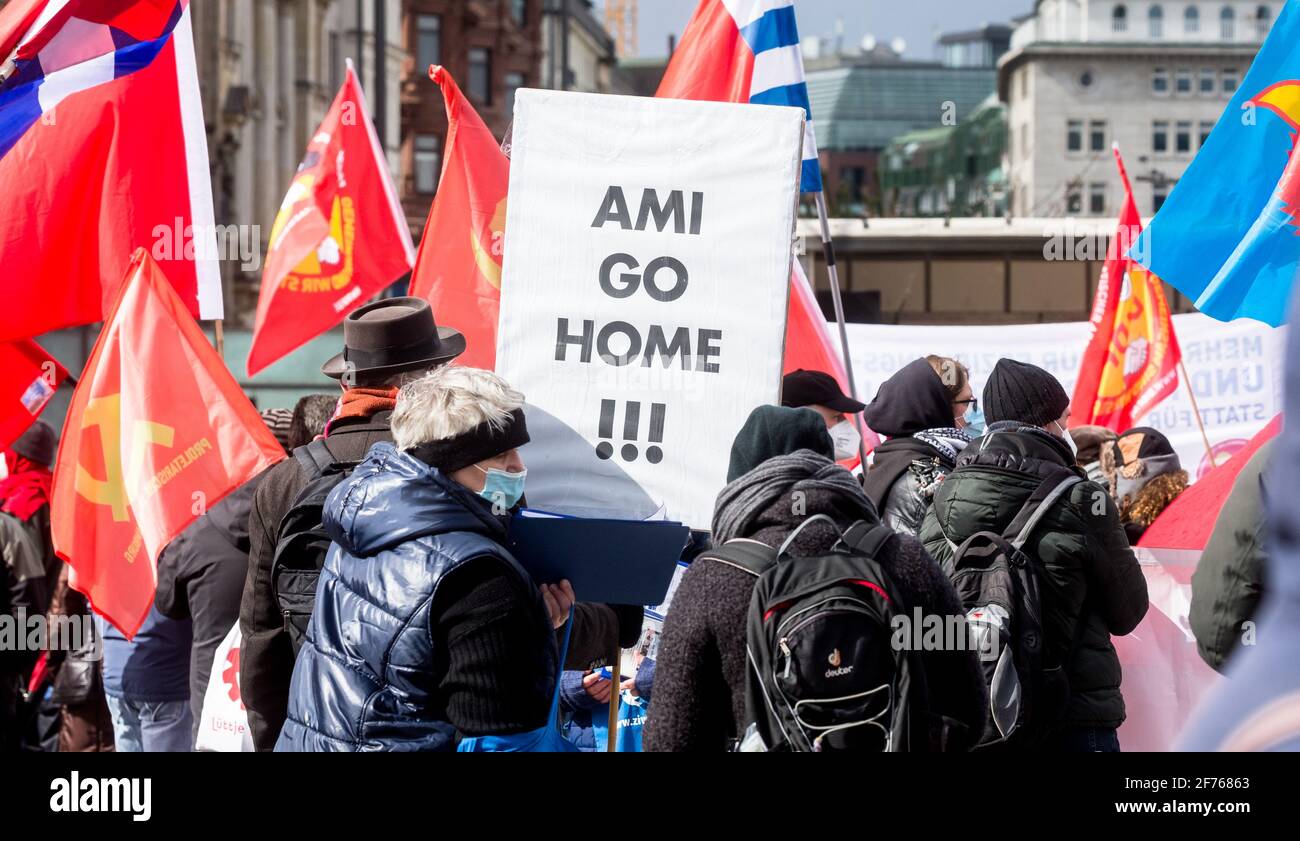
point(25, 487)
point(948, 440)
point(754, 502)
point(363, 403)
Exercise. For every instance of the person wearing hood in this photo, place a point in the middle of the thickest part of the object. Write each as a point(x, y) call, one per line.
point(922, 410)
point(818, 391)
point(1145, 476)
point(781, 473)
point(426, 630)
point(1092, 586)
point(29, 566)
point(1090, 442)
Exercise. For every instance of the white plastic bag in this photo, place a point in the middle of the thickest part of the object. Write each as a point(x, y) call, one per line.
point(223, 725)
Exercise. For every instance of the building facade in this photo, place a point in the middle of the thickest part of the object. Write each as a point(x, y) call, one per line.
point(1153, 77)
point(864, 99)
point(491, 48)
point(578, 53)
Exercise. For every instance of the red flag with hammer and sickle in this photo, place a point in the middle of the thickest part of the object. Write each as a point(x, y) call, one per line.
point(158, 432)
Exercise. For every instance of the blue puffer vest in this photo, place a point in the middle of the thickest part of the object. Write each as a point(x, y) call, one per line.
point(365, 677)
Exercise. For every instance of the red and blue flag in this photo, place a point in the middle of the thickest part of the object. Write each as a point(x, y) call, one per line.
point(102, 150)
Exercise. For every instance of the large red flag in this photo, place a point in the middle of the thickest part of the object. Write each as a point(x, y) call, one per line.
point(339, 238)
point(458, 268)
point(157, 433)
point(28, 379)
point(1131, 363)
point(102, 150)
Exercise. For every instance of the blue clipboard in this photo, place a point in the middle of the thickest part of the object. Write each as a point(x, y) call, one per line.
point(609, 561)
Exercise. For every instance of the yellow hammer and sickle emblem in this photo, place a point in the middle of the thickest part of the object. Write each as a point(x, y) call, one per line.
point(104, 413)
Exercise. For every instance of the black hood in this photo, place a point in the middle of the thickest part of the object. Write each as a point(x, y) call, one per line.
point(911, 401)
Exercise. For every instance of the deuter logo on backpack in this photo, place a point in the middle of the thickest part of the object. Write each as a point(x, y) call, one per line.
point(836, 670)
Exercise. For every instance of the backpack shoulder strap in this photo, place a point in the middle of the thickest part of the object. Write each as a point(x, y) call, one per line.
point(747, 555)
point(315, 457)
point(1039, 503)
point(867, 538)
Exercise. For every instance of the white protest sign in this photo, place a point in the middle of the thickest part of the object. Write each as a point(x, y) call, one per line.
point(644, 292)
point(1235, 368)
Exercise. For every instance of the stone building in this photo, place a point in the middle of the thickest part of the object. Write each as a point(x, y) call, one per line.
point(1151, 76)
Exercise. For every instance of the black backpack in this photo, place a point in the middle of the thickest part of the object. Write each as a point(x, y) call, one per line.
point(823, 674)
point(1000, 589)
point(301, 542)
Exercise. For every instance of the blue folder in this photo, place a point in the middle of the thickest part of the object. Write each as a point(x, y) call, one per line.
point(610, 561)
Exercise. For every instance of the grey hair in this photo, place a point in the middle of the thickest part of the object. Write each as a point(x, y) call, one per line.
point(450, 401)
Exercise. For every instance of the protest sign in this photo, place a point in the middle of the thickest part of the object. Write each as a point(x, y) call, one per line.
point(644, 293)
point(1235, 369)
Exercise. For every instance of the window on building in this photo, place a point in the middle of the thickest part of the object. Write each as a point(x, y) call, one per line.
point(427, 163)
point(1183, 137)
point(1158, 197)
point(1074, 199)
point(519, 10)
point(428, 40)
point(480, 74)
point(1207, 126)
point(1191, 20)
point(1160, 81)
point(1229, 79)
point(1097, 136)
point(1024, 140)
point(1160, 137)
point(1263, 20)
point(1024, 83)
point(1097, 199)
point(513, 82)
point(1183, 82)
point(1119, 18)
point(1156, 21)
point(1074, 136)
point(1227, 23)
point(1207, 81)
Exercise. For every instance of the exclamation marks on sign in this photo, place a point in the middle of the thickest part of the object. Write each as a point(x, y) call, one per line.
point(631, 430)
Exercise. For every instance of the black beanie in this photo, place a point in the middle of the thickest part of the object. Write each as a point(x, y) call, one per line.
point(1018, 391)
point(38, 444)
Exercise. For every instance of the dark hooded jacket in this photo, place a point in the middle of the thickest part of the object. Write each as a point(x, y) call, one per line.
point(425, 627)
point(1091, 574)
point(905, 471)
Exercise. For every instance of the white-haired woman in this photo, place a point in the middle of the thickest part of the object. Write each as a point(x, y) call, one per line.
point(426, 630)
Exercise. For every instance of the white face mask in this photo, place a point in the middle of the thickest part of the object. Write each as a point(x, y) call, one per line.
point(1069, 440)
point(846, 439)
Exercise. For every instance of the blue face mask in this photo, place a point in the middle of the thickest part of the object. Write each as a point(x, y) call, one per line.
point(502, 488)
point(975, 422)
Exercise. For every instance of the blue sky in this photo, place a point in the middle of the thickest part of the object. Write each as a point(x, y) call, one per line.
point(916, 21)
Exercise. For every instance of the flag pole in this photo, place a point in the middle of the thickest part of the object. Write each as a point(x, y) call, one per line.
point(616, 667)
point(220, 339)
point(828, 250)
point(1196, 411)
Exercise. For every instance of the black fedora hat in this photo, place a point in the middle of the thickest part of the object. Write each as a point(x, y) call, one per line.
point(391, 336)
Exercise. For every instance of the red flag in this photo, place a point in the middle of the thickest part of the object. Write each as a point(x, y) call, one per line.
point(102, 151)
point(458, 268)
point(28, 379)
point(1131, 363)
point(157, 433)
point(339, 238)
